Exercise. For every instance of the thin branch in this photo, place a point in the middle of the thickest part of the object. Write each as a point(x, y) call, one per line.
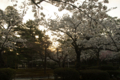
point(2, 26)
point(6, 38)
point(87, 15)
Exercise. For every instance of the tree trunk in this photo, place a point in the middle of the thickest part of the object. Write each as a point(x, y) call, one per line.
point(45, 61)
point(1, 60)
point(78, 53)
point(78, 60)
point(98, 55)
point(63, 62)
point(59, 63)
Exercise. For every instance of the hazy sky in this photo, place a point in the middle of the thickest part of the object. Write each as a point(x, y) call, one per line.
point(116, 12)
point(112, 3)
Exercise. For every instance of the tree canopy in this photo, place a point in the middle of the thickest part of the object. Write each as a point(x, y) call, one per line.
point(9, 19)
point(89, 27)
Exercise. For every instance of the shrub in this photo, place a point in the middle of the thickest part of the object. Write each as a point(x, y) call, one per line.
point(94, 75)
point(93, 67)
point(66, 74)
point(6, 74)
point(51, 65)
point(113, 73)
point(107, 67)
point(83, 67)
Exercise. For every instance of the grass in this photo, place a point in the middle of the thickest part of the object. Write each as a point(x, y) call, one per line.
point(47, 79)
point(23, 73)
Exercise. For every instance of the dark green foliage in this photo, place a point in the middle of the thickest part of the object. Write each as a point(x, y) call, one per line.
point(66, 74)
point(93, 67)
point(83, 67)
point(32, 72)
point(114, 73)
point(29, 30)
point(107, 67)
point(51, 65)
point(6, 73)
point(94, 75)
point(11, 59)
point(103, 67)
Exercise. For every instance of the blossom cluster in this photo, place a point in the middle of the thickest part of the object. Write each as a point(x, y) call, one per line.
point(10, 19)
point(89, 26)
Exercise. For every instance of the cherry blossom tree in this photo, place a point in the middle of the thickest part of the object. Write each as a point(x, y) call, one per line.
point(88, 28)
point(88, 24)
point(9, 19)
point(62, 54)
